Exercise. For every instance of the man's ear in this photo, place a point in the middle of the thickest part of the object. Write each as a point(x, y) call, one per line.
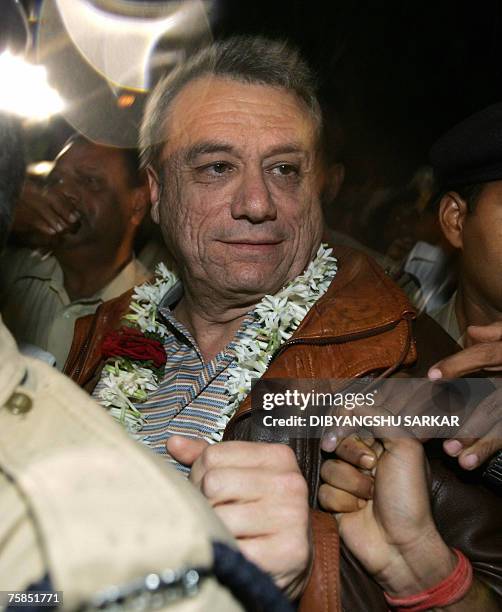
point(334, 178)
point(452, 214)
point(154, 186)
point(140, 204)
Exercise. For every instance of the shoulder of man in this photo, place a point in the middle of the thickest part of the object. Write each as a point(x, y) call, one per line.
point(360, 273)
point(20, 262)
point(376, 291)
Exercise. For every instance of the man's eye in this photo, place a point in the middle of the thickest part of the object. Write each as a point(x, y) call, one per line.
point(285, 170)
point(92, 182)
point(219, 168)
point(53, 179)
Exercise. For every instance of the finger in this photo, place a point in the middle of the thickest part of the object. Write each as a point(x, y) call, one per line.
point(487, 355)
point(242, 485)
point(185, 450)
point(336, 500)
point(276, 457)
point(63, 208)
point(385, 426)
point(257, 519)
point(455, 446)
point(332, 435)
point(486, 333)
point(409, 400)
point(484, 420)
point(53, 220)
point(244, 520)
point(357, 452)
point(479, 452)
point(341, 475)
point(44, 228)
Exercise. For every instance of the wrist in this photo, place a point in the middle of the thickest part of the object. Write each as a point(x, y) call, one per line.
point(443, 594)
point(418, 567)
point(296, 588)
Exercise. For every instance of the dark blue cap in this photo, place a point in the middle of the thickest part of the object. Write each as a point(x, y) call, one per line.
point(471, 152)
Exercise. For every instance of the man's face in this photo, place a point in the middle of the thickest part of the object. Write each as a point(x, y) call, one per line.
point(92, 180)
point(482, 246)
point(240, 207)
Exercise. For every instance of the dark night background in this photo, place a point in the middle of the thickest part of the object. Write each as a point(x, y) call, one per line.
point(398, 73)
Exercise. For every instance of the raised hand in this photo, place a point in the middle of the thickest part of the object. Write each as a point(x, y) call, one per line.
point(484, 352)
point(258, 492)
point(41, 215)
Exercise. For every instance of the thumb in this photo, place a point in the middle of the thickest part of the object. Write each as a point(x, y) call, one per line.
point(185, 450)
point(486, 333)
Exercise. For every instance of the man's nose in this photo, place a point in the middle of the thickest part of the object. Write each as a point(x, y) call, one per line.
point(253, 201)
point(69, 190)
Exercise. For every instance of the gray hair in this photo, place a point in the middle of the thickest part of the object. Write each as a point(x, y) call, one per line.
point(12, 168)
point(246, 59)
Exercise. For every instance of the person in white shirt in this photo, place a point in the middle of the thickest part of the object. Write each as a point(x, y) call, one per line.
point(88, 215)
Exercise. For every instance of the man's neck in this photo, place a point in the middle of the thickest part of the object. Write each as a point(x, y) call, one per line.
point(86, 271)
point(213, 328)
point(472, 309)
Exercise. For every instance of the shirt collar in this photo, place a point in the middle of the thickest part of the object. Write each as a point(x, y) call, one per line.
point(172, 297)
point(43, 266)
point(446, 316)
point(133, 274)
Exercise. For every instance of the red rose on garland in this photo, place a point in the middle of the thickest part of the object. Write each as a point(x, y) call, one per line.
point(132, 344)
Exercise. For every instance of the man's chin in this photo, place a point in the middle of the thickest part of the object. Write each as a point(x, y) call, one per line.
point(70, 241)
point(254, 280)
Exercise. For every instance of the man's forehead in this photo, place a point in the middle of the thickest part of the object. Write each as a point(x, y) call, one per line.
point(224, 110)
point(93, 154)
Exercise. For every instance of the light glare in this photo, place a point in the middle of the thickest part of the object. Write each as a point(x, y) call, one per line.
point(24, 90)
point(41, 168)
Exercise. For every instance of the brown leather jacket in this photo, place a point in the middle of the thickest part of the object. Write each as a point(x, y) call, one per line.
point(363, 325)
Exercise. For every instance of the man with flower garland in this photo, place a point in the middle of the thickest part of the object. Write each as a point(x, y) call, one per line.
point(91, 520)
point(231, 145)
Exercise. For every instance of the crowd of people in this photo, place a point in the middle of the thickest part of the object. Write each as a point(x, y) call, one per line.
point(156, 472)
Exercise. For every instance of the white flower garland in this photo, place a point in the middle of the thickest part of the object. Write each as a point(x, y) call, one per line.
point(124, 381)
point(276, 317)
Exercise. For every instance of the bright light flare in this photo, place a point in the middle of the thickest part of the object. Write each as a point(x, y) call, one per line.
point(24, 90)
point(41, 168)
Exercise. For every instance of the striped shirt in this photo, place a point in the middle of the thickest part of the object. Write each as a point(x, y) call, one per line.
point(192, 394)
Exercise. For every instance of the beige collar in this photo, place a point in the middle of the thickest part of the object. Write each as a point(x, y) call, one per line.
point(134, 273)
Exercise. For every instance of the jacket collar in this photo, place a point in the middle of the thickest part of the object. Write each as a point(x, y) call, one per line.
point(360, 299)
